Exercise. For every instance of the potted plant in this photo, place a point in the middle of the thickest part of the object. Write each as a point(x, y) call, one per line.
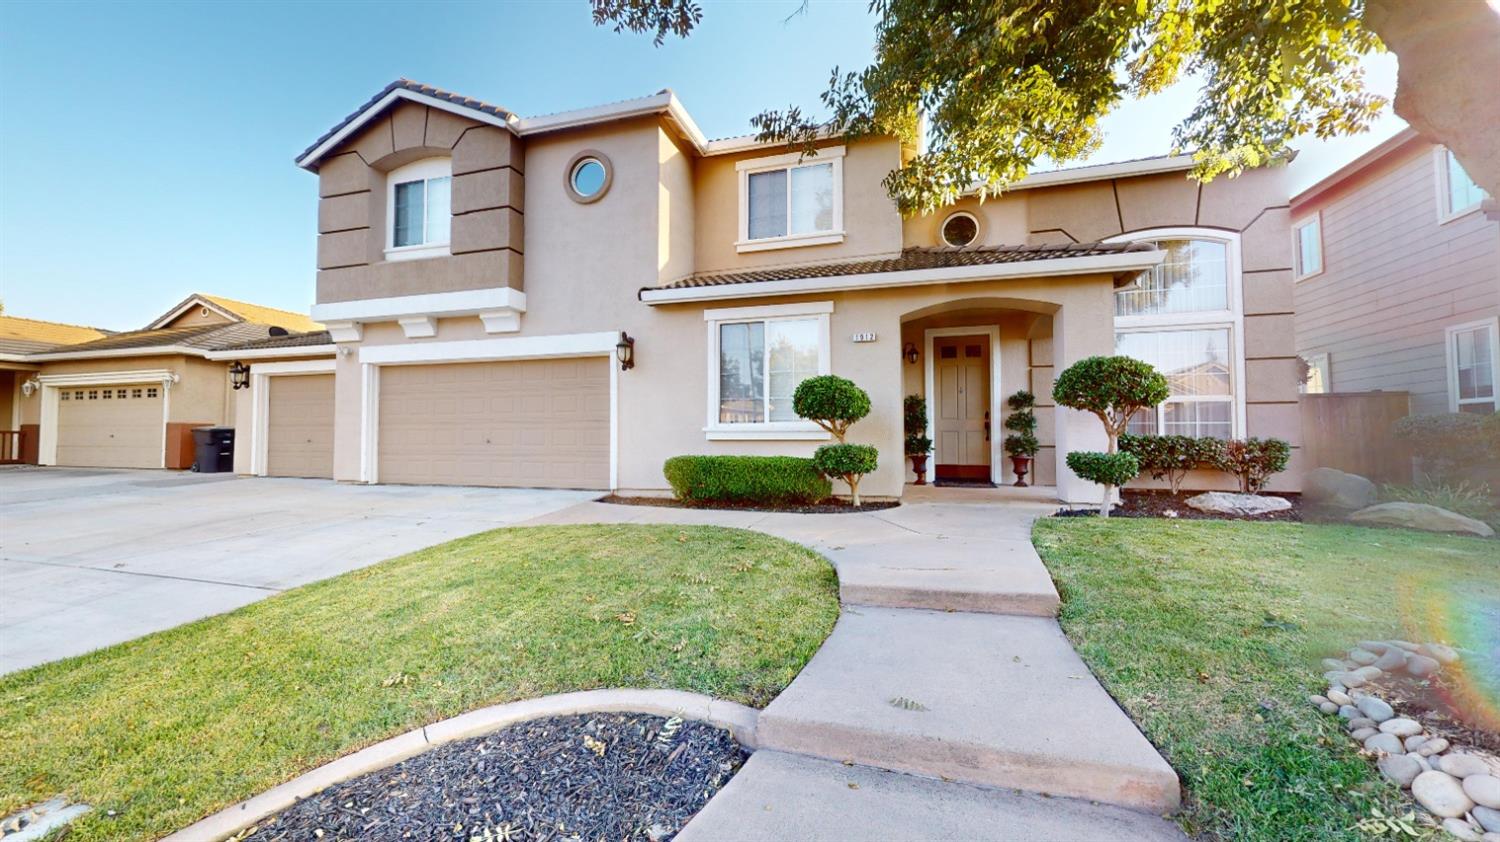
point(918, 445)
point(1021, 444)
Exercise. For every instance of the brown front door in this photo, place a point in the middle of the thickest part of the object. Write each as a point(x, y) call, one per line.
point(962, 381)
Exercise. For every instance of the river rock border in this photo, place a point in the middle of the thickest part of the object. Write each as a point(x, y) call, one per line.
point(738, 719)
point(1460, 788)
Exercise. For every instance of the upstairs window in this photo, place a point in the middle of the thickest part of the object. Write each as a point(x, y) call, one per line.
point(1309, 247)
point(418, 208)
point(791, 200)
point(1458, 193)
point(1193, 278)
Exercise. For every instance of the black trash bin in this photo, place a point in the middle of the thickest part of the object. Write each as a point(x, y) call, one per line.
point(213, 450)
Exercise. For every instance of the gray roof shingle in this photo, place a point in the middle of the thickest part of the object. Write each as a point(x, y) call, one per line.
point(201, 337)
point(417, 87)
point(291, 340)
point(910, 259)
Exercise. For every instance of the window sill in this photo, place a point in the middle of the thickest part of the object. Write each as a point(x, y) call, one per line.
point(1300, 278)
point(794, 241)
point(768, 432)
point(417, 252)
point(1445, 218)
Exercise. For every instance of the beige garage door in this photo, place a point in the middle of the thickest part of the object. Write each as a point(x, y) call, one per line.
point(299, 425)
point(537, 423)
point(111, 427)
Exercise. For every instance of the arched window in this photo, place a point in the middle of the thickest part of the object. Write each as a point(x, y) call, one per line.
point(417, 209)
point(1184, 317)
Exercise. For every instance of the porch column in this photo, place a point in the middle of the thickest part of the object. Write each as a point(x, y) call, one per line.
point(1082, 327)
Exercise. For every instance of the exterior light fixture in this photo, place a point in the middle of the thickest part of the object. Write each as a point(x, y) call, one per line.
point(625, 351)
point(31, 385)
point(239, 375)
point(910, 353)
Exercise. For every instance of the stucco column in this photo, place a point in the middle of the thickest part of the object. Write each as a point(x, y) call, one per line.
point(1082, 327)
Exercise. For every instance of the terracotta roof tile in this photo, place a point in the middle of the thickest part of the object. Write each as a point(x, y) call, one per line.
point(417, 87)
point(910, 259)
point(200, 337)
point(257, 314)
point(46, 333)
point(290, 340)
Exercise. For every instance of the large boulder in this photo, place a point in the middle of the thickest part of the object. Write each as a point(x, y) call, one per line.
point(1333, 489)
point(1240, 505)
point(1420, 516)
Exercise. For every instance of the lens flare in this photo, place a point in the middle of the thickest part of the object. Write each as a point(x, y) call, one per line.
point(1469, 622)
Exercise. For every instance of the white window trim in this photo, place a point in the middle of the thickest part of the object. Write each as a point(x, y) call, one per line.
point(715, 430)
point(1233, 318)
point(744, 169)
point(1297, 273)
point(423, 170)
point(1440, 165)
point(1312, 359)
point(942, 226)
point(260, 411)
point(1452, 361)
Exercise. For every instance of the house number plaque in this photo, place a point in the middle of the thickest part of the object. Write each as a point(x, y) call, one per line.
point(864, 337)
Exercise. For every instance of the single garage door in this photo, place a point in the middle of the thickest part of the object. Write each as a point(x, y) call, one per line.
point(111, 427)
point(299, 425)
point(533, 423)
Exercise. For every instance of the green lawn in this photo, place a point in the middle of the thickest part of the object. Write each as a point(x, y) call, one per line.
point(1210, 634)
point(168, 728)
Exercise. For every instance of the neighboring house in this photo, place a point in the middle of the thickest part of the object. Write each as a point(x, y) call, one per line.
point(1399, 279)
point(130, 400)
point(481, 275)
point(18, 338)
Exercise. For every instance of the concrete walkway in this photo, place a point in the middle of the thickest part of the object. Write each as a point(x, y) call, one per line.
point(946, 703)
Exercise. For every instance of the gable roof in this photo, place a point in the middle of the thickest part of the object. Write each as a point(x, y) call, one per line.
point(23, 336)
point(238, 311)
point(194, 341)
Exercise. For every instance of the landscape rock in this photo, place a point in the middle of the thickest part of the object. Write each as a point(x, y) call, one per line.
point(1421, 666)
point(1437, 745)
point(1414, 742)
point(1362, 656)
point(1393, 658)
point(1401, 727)
point(1350, 680)
point(1490, 837)
point(1335, 489)
point(1328, 707)
point(1400, 769)
point(1406, 644)
point(1461, 829)
point(1484, 790)
point(1368, 673)
point(1242, 505)
point(1463, 765)
point(1361, 722)
point(1419, 516)
point(1376, 709)
point(1488, 818)
point(1349, 711)
point(1363, 734)
point(1420, 759)
point(1333, 664)
point(1441, 794)
point(1339, 698)
point(1444, 654)
point(1387, 743)
point(1318, 701)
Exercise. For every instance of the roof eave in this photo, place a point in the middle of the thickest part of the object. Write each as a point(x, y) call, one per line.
point(106, 353)
point(273, 353)
point(309, 159)
point(196, 299)
point(1100, 264)
point(1380, 151)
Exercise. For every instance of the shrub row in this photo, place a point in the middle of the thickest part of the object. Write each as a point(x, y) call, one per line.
point(771, 480)
point(1251, 461)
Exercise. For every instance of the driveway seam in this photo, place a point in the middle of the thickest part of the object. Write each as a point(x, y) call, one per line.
point(139, 573)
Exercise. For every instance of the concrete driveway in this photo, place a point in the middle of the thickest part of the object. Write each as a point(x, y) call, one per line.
point(90, 558)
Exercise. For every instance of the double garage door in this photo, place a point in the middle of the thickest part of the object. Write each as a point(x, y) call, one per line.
point(533, 423)
point(111, 426)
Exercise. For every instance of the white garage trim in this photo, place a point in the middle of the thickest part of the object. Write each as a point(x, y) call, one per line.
point(371, 359)
point(260, 413)
point(51, 406)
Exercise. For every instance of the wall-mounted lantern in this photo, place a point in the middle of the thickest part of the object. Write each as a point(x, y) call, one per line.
point(239, 375)
point(31, 385)
point(909, 352)
point(625, 351)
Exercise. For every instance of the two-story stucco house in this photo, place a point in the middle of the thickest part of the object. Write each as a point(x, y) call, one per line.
point(1398, 279)
point(571, 299)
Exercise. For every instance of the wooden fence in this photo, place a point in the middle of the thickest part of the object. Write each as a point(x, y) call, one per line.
point(1351, 431)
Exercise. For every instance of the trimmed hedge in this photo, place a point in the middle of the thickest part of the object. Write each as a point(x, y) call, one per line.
point(1171, 457)
point(1253, 461)
point(1108, 469)
point(770, 480)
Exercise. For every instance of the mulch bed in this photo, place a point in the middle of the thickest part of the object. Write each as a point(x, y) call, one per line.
point(588, 777)
point(1165, 504)
point(829, 507)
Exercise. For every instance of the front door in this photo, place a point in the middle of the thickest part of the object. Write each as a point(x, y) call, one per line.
point(962, 425)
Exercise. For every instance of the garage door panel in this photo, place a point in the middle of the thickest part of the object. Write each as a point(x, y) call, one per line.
point(541, 423)
point(115, 427)
point(299, 426)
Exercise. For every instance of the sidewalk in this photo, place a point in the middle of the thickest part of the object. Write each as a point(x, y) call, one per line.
point(946, 703)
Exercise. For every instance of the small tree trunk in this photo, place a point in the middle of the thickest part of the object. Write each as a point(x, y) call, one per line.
point(853, 489)
point(1109, 493)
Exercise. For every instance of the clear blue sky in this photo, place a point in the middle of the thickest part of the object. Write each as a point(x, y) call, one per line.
point(146, 149)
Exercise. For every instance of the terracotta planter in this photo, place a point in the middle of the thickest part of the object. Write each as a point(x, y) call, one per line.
point(919, 467)
point(1021, 465)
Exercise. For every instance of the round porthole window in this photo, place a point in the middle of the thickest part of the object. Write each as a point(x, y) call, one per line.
point(960, 229)
point(588, 176)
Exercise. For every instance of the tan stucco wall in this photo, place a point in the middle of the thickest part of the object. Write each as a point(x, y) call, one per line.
point(198, 317)
point(871, 223)
point(201, 395)
point(487, 190)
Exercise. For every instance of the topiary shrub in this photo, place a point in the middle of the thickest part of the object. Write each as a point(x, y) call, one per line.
point(1254, 461)
point(1107, 469)
point(1022, 424)
point(1113, 389)
point(831, 402)
point(764, 480)
point(848, 462)
point(914, 425)
point(1171, 457)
